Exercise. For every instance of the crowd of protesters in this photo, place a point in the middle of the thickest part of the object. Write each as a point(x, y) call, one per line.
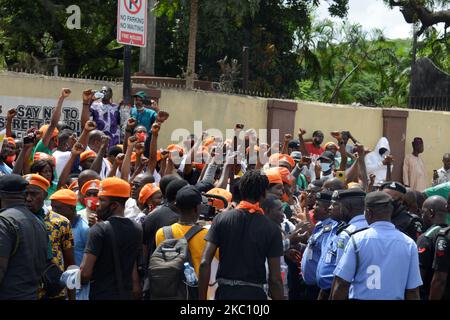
point(109, 213)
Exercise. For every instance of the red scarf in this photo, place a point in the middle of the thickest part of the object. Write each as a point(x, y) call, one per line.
point(250, 207)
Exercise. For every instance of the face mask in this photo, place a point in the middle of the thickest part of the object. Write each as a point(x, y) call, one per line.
point(141, 136)
point(10, 159)
point(325, 166)
point(91, 203)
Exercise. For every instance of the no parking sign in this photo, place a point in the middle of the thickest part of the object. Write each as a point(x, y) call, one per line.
point(132, 22)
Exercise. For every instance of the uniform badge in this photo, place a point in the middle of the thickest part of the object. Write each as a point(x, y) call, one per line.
point(340, 244)
point(441, 245)
point(327, 228)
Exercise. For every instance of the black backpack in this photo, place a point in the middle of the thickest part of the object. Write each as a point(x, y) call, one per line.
point(166, 267)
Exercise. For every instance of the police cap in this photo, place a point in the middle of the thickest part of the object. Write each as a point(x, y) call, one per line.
point(396, 186)
point(12, 183)
point(324, 196)
point(347, 194)
point(377, 198)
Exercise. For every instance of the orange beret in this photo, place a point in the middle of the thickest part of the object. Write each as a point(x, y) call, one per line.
point(44, 128)
point(114, 187)
point(222, 193)
point(286, 176)
point(11, 140)
point(331, 144)
point(274, 176)
point(44, 156)
point(87, 154)
point(37, 180)
point(65, 196)
point(146, 192)
point(74, 185)
point(174, 147)
point(89, 185)
point(275, 159)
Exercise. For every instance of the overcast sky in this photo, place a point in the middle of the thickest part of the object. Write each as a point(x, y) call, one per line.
point(374, 14)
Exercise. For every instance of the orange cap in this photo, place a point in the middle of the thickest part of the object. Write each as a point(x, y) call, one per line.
point(146, 192)
point(44, 128)
point(87, 154)
point(286, 176)
point(133, 157)
point(73, 185)
point(222, 193)
point(274, 176)
point(43, 156)
point(65, 196)
point(11, 140)
point(174, 147)
point(114, 187)
point(37, 180)
point(89, 185)
point(275, 159)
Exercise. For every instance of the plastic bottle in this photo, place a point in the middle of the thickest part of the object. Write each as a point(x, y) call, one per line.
point(189, 273)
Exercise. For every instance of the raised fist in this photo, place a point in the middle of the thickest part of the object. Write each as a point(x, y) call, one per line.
point(132, 122)
point(78, 149)
point(162, 116)
point(287, 137)
point(105, 140)
point(132, 141)
point(87, 96)
point(301, 132)
point(119, 159)
point(155, 128)
point(11, 113)
point(65, 92)
point(90, 126)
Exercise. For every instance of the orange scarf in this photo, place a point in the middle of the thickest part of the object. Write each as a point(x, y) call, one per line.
point(250, 207)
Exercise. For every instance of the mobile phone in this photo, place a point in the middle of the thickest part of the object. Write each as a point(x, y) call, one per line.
point(29, 139)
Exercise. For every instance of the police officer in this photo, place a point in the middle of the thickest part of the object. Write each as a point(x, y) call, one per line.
point(327, 261)
point(440, 284)
point(351, 204)
point(408, 223)
point(312, 253)
point(434, 218)
point(379, 263)
point(23, 243)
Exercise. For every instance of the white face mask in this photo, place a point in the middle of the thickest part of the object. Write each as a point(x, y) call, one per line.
point(325, 166)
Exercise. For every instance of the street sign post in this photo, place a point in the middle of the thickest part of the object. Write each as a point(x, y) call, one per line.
point(131, 31)
point(132, 22)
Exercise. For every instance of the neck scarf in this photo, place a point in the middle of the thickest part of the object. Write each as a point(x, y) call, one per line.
point(250, 207)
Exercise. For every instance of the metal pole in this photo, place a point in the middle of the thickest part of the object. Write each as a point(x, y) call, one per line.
point(127, 74)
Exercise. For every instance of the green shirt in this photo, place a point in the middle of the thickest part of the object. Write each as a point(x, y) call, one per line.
point(40, 147)
point(80, 207)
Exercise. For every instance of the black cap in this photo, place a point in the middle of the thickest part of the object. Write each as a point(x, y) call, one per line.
point(12, 183)
point(188, 197)
point(324, 196)
point(346, 194)
point(294, 144)
point(327, 155)
point(204, 186)
point(377, 198)
point(396, 186)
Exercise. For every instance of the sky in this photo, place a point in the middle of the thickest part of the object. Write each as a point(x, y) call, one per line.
point(374, 14)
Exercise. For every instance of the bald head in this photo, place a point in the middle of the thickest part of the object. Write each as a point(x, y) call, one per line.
point(86, 176)
point(95, 140)
point(435, 211)
point(334, 184)
point(139, 182)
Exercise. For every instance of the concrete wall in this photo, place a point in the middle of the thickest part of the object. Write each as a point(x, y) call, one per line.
point(365, 124)
point(434, 128)
point(220, 111)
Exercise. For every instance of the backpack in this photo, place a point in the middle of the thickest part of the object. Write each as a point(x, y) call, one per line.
point(166, 267)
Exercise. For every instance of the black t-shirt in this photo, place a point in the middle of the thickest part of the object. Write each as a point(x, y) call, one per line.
point(245, 241)
point(128, 236)
point(191, 178)
point(441, 261)
point(425, 244)
point(26, 265)
point(162, 217)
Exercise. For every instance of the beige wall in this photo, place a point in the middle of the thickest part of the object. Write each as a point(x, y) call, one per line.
point(365, 124)
point(434, 128)
point(219, 111)
point(39, 86)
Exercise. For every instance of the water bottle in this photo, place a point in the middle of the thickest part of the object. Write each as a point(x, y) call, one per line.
point(189, 273)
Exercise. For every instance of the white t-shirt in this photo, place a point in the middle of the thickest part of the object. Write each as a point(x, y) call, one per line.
point(61, 158)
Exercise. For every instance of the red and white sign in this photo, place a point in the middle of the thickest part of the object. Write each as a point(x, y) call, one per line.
point(132, 22)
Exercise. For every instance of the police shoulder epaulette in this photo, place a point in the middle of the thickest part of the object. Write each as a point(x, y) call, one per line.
point(356, 231)
point(430, 233)
point(341, 228)
point(444, 231)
